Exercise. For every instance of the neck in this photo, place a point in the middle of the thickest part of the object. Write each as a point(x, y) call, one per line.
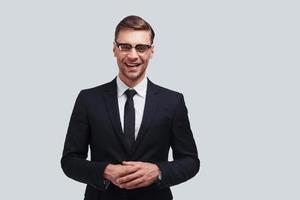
point(131, 83)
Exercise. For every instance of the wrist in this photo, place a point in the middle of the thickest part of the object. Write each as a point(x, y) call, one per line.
point(159, 174)
point(159, 177)
point(107, 170)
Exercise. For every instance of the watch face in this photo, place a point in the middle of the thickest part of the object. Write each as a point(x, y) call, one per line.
point(159, 176)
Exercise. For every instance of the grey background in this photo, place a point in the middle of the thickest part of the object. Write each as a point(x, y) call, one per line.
point(237, 63)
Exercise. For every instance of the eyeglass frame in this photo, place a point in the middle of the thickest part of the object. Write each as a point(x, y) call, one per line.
point(119, 44)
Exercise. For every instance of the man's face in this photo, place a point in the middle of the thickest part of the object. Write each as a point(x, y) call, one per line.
point(133, 63)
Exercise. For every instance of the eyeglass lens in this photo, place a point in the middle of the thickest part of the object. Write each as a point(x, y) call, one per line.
point(139, 47)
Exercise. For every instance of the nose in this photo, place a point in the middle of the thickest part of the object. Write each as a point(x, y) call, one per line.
point(132, 54)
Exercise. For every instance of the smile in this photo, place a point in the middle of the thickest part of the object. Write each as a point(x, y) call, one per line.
point(132, 64)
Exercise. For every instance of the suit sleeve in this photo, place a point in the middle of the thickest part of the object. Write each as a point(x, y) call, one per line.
point(185, 162)
point(73, 161)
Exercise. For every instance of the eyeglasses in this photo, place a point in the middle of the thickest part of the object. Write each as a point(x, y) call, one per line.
point(140, 48)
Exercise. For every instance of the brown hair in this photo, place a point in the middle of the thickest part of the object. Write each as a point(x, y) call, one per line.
point(133, 22)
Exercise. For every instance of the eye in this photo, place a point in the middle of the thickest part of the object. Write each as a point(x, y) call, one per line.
point(125, 47)
point(142, 47)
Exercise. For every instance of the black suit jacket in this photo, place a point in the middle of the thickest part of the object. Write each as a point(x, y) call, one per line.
point(95, 124)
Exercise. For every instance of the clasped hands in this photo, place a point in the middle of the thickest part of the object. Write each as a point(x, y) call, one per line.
point(131, 174)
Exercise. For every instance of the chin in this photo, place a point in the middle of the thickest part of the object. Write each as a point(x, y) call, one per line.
point(133, 78)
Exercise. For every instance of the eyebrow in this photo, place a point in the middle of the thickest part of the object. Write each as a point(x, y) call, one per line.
point(120, 43)
point(131, 44)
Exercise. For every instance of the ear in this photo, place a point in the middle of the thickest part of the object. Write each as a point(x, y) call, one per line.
point(152, 52)
point(114, 50)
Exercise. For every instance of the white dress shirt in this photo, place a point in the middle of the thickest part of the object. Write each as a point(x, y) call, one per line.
point(138, 99)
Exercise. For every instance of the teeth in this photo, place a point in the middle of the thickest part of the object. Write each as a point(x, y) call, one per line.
point(132, 65)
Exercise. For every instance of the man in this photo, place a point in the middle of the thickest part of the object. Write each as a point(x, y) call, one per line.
point(129, 124)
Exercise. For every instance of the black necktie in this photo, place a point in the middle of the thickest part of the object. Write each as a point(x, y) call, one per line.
point(129, 117)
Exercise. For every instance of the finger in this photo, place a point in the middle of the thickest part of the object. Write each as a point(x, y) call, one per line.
point(139, 185)
point(132, 184)
point(129, 178)
point(130, 163)
point(127, 170)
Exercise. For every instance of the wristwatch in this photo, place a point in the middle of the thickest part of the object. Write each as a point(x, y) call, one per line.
point(106, 184)
point(159, 178)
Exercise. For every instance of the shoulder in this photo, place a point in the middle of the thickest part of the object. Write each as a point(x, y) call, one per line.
point(162, 90)
point(164, 94)
point(97, 91)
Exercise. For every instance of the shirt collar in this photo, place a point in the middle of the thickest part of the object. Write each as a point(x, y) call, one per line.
point(139, 88)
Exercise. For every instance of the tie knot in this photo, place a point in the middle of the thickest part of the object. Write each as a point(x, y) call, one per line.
point(130, 93)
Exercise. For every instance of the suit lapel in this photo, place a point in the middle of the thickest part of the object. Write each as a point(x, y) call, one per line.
point(111, 101)
point(149, 112)
point(112, 107)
